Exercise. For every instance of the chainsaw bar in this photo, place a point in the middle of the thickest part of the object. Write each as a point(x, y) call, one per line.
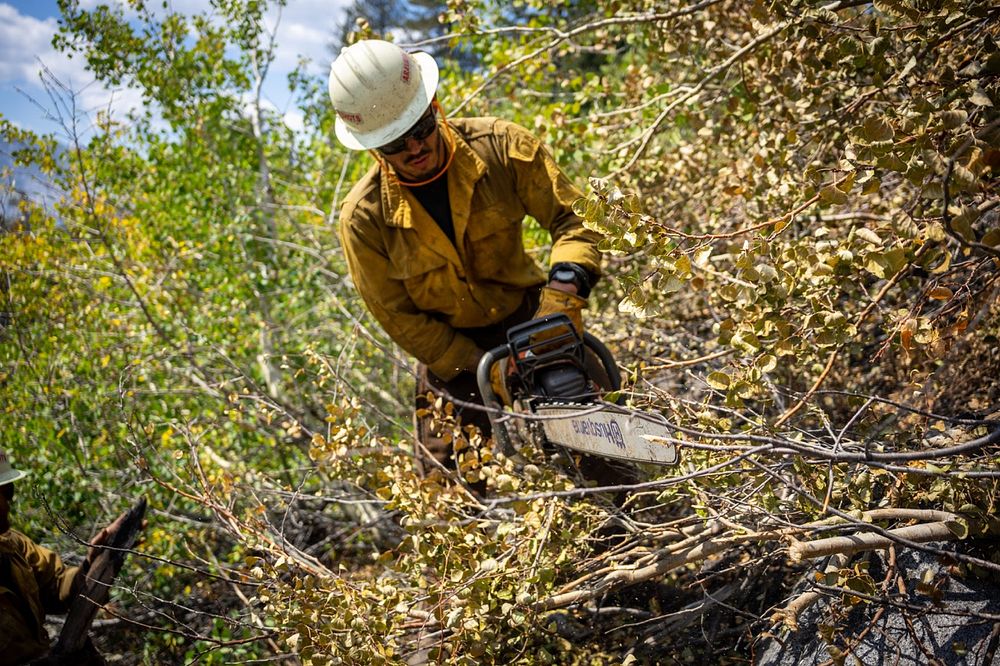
point(608, 431)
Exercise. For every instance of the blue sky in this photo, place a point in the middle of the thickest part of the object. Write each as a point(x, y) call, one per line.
point(27, 26)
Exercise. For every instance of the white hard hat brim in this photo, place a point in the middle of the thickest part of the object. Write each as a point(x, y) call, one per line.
point(11, 475)
point(365, 141)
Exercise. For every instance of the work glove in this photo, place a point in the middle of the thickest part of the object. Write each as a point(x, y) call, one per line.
point(498, 380)
point(555, 301)
point(498, 373)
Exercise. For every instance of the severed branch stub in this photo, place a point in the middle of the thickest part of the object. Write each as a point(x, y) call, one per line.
point(789, 614)
point(119, 537)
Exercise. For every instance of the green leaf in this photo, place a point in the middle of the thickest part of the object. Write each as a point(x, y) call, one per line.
point(612, 396)
point(941, 267)
point(872, 186)
point(766, 273)
point(877, 129)
point(960, 527)
point(874, 265)
point(892, 161)
point(963, 227)
point(703, 256)
point(670, 284)
point(831, 195)
point(746, 341)
point(718, 380)
point(963, 180)
point(895, 260)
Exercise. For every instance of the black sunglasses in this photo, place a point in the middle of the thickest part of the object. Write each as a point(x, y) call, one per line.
point(421, 129)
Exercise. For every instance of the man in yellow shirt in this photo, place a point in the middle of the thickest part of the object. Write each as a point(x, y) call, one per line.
point(433, 232)
point(33, 582)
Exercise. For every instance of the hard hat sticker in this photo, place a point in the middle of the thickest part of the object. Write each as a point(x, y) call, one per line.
point(405, 74)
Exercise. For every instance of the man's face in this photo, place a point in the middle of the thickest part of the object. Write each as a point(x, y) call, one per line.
point(6, 496)
point(420, 159)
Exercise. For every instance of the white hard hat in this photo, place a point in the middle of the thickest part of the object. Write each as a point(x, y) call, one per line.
point(379, 91)
point(7, 473)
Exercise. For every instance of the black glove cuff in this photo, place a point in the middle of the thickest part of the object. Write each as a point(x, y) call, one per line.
point(567, 271)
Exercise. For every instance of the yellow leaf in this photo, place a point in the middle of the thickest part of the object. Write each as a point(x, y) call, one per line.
point(867, 234)
point(683, 265)
point(940, 293)
point(944, 265)
point(906, 339)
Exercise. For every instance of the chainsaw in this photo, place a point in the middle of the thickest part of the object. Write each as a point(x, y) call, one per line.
point(558, 379)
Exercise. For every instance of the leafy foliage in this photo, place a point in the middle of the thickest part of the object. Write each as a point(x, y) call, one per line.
point(799, 210)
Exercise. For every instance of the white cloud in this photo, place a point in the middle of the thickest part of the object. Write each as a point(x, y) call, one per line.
point(306, 29)
point(26, 51)
point(295, 121)
point(23, 39)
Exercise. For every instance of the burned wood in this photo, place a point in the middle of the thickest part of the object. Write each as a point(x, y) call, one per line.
point(121, 536)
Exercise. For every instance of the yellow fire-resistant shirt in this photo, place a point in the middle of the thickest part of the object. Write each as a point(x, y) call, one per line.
point(33, 581)
point(421, 287)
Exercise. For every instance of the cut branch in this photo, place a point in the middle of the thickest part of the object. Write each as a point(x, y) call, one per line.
point(856, 543)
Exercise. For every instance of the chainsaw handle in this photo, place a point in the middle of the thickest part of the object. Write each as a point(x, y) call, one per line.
point(607, 360)
point(490, 399)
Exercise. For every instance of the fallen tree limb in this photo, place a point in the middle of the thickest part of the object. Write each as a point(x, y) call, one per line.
point(624, 577)
point(855, 543)
point(710, 541)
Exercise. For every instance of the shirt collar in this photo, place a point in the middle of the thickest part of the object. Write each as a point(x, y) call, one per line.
point(466, 169)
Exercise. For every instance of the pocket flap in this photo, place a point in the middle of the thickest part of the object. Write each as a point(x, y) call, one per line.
point(490, 221)
point(410, 266)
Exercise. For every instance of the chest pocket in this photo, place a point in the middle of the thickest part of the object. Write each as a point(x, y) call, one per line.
point(494, 241)
point(428, 279)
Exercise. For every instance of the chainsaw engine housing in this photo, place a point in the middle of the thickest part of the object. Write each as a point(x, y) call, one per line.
point(550, 361)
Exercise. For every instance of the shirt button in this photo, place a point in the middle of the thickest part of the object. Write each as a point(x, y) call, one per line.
point(493, 311)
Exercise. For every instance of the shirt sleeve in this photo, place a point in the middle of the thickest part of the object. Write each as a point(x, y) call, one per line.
point(548, 196)
point(440, 347)
point(55, 580)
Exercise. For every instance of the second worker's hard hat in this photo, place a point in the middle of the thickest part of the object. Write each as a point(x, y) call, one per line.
point(7, 473)
point(379, 91)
